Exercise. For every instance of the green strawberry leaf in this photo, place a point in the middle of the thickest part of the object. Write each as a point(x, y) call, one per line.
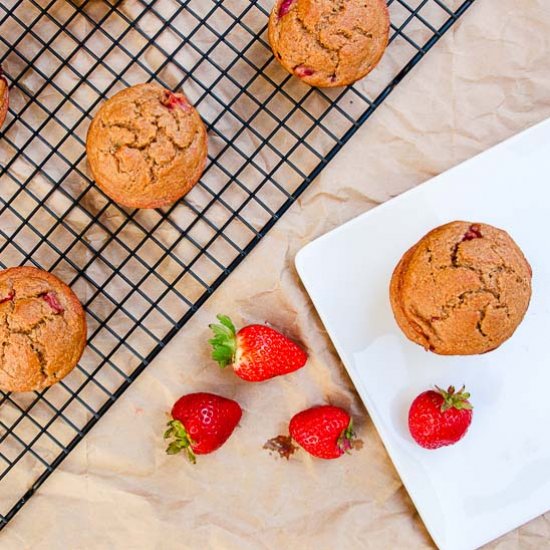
point(169, 433)
point(348, 439)
point(182, 440)
point(454, 399)
point(174, 448)
point(224, 342)
point(226, 322)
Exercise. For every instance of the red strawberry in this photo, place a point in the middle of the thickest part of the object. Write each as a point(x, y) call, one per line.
point(202, 422)
point(439, 418)
point(324, 431)
point(256, 352)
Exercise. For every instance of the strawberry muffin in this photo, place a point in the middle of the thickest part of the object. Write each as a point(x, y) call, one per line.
point(146, 147)
point(42, 329)
point(329, 43)
point(463, 289)
point(4, 97)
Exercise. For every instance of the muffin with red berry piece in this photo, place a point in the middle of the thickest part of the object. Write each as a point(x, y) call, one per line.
point(146, 146)
point(328, 43)
point(463, 289)
point(42, 329)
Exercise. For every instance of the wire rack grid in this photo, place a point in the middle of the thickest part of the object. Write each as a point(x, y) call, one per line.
point(142, 274)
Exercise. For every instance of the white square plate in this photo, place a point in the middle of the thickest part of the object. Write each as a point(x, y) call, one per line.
point(498, 476)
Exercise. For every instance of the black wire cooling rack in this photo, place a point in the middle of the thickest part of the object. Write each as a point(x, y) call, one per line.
point(143, 274)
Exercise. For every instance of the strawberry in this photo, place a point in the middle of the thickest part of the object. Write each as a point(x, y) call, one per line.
point(439, 418)
point(324, 431)
point(201, 423)
point(256, 352)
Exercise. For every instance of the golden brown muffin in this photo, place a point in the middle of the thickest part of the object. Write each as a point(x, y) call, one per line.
point(146, 147)
point(42, 329)
point(4, 97)
point(329, 43)
point(462, 289)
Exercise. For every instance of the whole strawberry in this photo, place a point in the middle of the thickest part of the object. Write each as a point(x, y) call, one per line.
point(256, 352)
point(324, 431)
point(201, 423)
point(438, 417)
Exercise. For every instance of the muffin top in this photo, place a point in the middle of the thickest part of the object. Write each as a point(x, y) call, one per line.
point(329, 42)
point(146, 146)
point(42, 329)
point(462, 289)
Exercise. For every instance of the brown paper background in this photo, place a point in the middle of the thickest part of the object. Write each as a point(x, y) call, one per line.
point(486, 80)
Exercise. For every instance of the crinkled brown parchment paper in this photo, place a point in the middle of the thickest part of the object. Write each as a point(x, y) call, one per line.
point(486, 80)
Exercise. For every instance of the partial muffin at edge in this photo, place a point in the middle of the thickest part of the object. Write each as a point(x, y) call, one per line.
point(42, 329)
point(4, 97)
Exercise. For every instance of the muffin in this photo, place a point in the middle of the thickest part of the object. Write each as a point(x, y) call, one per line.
point(146, 147)
point(42, 329)
point(329, 43)
point(463, 289)
point(4, 97)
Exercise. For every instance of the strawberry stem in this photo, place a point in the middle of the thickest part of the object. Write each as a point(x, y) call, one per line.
point(454, 399)
point(224, 343)
point(347, 437)
point(181, 440)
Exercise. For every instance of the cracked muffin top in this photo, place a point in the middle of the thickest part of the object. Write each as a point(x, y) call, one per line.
point(329, 42)
point(146, 147)
point(4, 97)
point(42, 329)
point(462, 289)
